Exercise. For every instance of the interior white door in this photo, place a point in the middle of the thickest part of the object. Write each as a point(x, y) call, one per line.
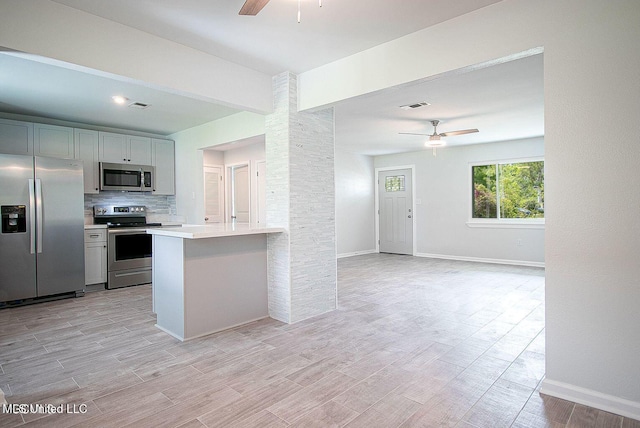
point(241, 193)
point(261, 192)
point(213, 194)
point(395, 202)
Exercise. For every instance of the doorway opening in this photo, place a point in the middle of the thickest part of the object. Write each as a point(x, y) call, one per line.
point(213, 194)
point(239, 193)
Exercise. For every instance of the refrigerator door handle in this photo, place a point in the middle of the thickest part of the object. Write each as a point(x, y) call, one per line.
point(39, 215)
point(32, 217)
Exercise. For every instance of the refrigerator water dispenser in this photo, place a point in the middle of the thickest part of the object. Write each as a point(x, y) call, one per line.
point(14, 219)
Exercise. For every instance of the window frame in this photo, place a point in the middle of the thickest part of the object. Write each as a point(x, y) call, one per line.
point(516, 223)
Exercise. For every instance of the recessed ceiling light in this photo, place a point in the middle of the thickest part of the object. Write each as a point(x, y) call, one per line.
point(119, 99)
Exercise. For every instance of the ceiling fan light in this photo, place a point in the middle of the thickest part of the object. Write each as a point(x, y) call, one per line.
point(435, 141)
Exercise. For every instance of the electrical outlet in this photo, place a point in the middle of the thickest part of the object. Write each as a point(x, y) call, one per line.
point(519, 242)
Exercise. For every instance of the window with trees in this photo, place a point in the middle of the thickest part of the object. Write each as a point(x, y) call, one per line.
point(508, 190)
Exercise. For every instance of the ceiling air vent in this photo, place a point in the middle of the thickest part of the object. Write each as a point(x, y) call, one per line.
point(416, 105)
point(140, 106)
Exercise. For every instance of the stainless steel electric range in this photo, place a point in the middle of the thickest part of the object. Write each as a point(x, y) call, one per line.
point(129, 248)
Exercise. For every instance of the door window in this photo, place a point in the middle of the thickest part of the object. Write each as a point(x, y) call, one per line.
point(394, 183)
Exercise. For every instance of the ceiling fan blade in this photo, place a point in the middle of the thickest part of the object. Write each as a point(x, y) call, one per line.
point(465, 131)
point(411, 133)
point(252, 7)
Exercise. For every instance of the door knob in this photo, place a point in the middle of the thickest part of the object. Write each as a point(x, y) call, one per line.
point(409, 216)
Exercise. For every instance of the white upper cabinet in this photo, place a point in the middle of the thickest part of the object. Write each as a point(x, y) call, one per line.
point(53, 141)
point(120, 148)
point(139, 150)
point(112, 147)
point(86, 149)
point(164, 163)
point(16, 138)
point(91, 147)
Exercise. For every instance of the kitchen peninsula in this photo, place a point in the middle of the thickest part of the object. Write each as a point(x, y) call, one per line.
point(209, 278)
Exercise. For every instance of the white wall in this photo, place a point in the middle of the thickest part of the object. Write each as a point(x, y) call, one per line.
point(252, 152)
point(212, 157)
point(593, 221)
point(355, 221)
point(189, 157)
point(443, 187)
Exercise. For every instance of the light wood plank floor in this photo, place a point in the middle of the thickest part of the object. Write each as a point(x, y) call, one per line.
point(415, 343)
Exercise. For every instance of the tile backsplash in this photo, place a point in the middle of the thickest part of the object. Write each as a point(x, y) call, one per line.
point(159, 208)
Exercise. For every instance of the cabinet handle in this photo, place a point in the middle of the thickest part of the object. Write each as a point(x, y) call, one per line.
point(94, 236)
point(124, 160)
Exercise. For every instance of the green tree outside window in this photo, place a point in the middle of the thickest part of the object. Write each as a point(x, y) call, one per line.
point(510, 190)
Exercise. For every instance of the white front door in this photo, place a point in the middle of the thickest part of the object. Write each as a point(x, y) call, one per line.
point(395, 203)
point(241, 194)
point(213, 194)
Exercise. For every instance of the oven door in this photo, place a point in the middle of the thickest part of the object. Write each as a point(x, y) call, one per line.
point(129, 249)
point(130, 257)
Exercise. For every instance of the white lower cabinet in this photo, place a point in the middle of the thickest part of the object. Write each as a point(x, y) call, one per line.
point(95, 256)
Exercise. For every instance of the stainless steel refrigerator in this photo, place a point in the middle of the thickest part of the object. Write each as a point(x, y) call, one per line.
point(42, 235)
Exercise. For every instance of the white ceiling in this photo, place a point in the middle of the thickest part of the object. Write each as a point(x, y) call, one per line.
point(505, 101)
point(36, 86)
point(338, 29)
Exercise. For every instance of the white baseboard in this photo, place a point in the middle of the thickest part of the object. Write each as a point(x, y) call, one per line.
point(482, 260)
point(356, 253)
point(598, 400)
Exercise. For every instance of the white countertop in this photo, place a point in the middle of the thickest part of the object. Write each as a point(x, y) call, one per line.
point(104, 226)
point(95, 226)
point(214, 230)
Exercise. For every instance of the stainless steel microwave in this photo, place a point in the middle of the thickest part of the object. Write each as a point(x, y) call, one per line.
point(126, 177)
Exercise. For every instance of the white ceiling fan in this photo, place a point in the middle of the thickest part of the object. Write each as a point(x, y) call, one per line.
point(435, 140)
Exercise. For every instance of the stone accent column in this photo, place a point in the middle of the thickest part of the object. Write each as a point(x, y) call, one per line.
point(302, 266)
